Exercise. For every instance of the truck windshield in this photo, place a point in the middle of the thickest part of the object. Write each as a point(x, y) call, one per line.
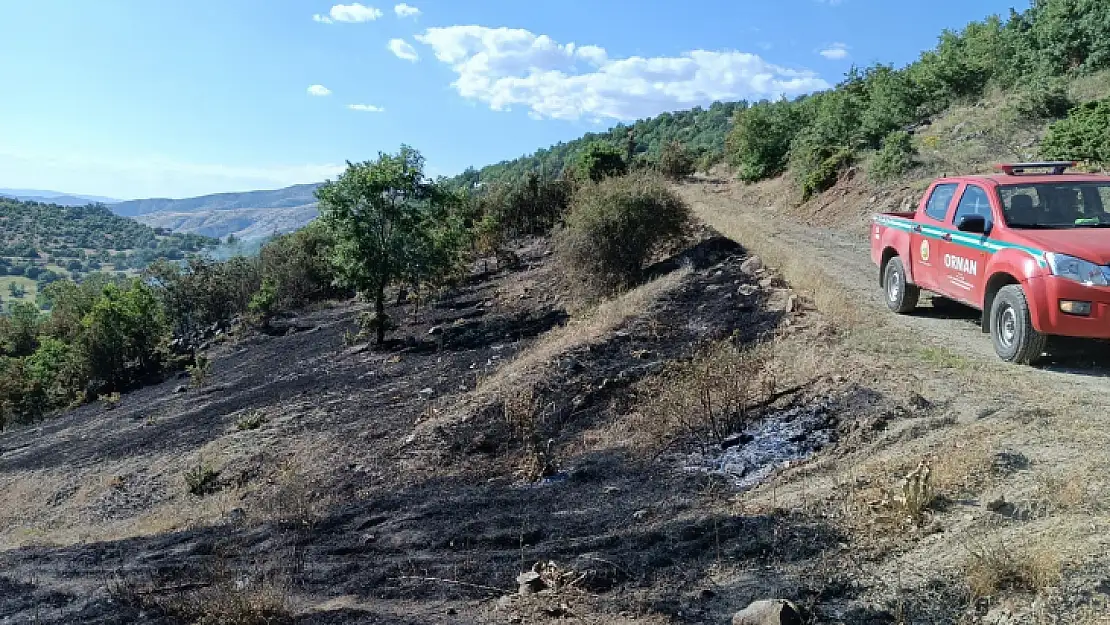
point(1056, 205)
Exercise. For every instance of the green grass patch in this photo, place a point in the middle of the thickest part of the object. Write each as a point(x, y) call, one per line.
point(29, 286)
point(943, 357)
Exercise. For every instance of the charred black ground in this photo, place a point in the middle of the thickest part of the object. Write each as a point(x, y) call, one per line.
point(435, 529)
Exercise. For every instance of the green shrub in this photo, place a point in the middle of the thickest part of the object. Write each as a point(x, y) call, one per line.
point(392, 226)
point(57, 368)
point(826, 146)
point(894, 158)
point(123, 333)
point(613, 228)
point(370, 323)
point(675, 162)
point(947, 74)
point(250, 421)
point(891, 103)
point(530, 207)
point(19, 329)
point(16, 393)
point(69, 302)
point(819, 169)
point(297, 265)
point(710, 159)
point(600, 160)
point(264, 304)
point(759, 143)
point(1084, 135)
point(204, 291)
point(1071, 35)
point(202, 479)
point(200, 371)
point(111, 400)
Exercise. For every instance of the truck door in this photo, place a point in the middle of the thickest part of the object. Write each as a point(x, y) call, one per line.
point(964, 255)
point(927, 259)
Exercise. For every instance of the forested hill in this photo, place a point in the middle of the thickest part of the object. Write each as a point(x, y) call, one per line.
point(1030, 54)
point(39, 239)
point(702, 132)
point(289, 197)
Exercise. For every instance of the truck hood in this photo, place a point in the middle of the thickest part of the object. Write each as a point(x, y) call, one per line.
point(1090, 244)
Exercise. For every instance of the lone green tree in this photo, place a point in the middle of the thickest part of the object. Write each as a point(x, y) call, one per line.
point(383, 214)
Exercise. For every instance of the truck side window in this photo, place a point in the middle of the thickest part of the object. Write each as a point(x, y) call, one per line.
point(937, 207)
point(974, 201)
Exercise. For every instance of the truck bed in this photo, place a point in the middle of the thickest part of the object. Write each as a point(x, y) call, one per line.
point(901, 214)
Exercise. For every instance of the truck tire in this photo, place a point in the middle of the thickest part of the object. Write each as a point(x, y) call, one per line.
point(1015, 338)
point(900, 296)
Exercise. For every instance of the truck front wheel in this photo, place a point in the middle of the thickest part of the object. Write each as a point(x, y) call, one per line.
point(1015, 338)
point(901, 296)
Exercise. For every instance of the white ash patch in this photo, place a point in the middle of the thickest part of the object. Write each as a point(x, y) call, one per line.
point(776, 441)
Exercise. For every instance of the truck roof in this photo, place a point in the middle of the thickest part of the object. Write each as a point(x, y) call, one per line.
point(1003, 179)
point(1018, 173)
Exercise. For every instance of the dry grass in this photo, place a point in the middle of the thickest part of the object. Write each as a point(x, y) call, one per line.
point(523, 413)
point(1090, 87)
point(585, 328)
point(227, 605)
point(258, 595)
point(996, 568)
point(917, 491)
point(1076, 489)
point(705, 400)
point(66, 505)
point(971, 138)
point(796, 269)
point(513, 389)
point(962, 465)
point(295, 498)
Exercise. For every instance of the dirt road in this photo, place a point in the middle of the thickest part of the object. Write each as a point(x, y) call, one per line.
point(1055, 418)
point(843, 257)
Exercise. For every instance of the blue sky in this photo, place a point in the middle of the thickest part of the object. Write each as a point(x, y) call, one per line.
point(180, 98)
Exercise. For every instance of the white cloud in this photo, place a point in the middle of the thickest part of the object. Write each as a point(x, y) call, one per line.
point(831, 3)
point(404, 10)
point(503, 67)
point(349, 13)
point(366, 108)
point(836, 52)
point(403, 50)
point(319, 91)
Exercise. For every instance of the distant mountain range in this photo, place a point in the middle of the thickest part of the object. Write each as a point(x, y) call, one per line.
point(54, 197)
point(248, 215)
point(289, 197)
point(245, 223)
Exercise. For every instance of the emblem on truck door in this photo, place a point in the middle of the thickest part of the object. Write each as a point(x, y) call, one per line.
point(924, 251)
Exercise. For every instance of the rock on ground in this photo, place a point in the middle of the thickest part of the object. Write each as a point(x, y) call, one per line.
point(768, 612)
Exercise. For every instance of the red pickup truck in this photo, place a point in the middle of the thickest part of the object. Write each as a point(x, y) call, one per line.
point(1029, 247)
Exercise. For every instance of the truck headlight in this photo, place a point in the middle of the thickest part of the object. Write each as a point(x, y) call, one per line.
point(1076, 269)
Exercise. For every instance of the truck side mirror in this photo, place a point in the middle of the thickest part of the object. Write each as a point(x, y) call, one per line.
point(975, 224)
